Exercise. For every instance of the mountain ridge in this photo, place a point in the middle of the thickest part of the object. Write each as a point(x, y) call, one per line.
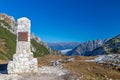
point(84, 49)
point(8, 39)
point(62, 45)
point(108, 46)
point(111, 46)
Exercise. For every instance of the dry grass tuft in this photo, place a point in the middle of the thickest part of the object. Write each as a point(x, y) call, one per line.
point(3, 62)
point(84, 70)
point(45, 60)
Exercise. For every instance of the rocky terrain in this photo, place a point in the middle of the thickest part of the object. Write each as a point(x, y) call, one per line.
point(8, 22)
point(97, 47)
point(110, 47)
point(69, 68)
point(84, 49)
point(112, 60)
point(73, 68)
point(44, 73)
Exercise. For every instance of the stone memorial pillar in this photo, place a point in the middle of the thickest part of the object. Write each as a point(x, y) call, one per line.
point(23, 61)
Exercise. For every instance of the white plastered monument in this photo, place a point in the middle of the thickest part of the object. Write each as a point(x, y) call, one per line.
point(23, 61)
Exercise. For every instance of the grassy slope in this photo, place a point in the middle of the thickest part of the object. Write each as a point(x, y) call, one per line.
point(40, 49)
point(8, 45)
point(111, 46)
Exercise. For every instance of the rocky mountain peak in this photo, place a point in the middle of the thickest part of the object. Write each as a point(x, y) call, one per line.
point(85, 48)
point(7, 18)
point(9, 22)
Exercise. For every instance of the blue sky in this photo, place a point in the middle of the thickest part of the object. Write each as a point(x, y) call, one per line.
point(68, 20)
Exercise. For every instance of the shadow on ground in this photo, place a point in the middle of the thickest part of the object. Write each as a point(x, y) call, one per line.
point(3, 69)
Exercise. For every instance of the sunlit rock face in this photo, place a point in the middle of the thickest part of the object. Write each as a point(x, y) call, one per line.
point(86, 48)
point(11, 22)
point(23, 60)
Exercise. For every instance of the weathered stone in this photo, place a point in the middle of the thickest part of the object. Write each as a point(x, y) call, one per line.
point(23, 61)
point(112, 59)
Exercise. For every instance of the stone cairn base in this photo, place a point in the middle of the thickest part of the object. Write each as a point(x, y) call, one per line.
point(22, 63)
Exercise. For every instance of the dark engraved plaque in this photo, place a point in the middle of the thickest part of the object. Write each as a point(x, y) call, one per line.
point(22, 36)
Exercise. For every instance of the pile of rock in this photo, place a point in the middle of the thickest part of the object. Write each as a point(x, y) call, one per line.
point(56, 63)
point(112, 59)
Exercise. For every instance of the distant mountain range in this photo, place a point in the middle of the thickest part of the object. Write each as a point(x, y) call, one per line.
point(84, 49)
point(97, 47)
point(63, 45)
point(89, 48)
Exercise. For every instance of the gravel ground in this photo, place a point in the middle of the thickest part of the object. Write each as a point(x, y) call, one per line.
point(44, 73)
point(112, 59)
